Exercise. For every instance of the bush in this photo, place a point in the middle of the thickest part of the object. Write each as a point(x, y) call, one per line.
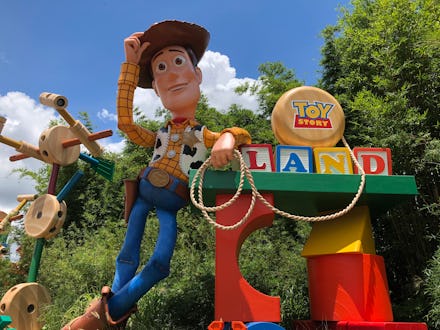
point(74, 270)
point(433, 290)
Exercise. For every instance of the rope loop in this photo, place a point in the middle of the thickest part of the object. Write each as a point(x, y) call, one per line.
point(245, 172)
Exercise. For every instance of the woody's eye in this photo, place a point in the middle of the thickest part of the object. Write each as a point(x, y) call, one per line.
point(179, 60)
point(161, 67)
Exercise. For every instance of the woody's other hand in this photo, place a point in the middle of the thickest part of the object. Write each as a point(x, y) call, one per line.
point(223, 150)
point(133, 48)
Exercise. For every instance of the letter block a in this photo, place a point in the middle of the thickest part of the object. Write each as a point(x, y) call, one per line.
point(374, 160)
point(258, 157)
point(294, 159)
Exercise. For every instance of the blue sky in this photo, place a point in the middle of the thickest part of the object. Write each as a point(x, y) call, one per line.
point(75, 48)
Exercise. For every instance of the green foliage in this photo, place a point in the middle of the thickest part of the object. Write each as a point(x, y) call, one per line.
point(275, 79)
point(284, 273)
point(14, 273)
point(381, 61)
point(74, 273)
point(432, 290)
point(256, 124)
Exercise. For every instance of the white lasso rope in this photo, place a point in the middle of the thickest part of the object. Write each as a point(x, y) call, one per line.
point(244, 171)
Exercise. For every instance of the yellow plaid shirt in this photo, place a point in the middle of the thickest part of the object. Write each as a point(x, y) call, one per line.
point(127, 83)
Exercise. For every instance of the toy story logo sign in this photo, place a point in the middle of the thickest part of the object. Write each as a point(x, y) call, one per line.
point(312, 115)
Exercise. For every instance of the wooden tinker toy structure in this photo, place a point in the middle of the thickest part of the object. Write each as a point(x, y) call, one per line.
point(59, 146)
point(309, 176)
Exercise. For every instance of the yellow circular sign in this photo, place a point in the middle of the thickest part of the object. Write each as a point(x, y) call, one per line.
point(308, 116)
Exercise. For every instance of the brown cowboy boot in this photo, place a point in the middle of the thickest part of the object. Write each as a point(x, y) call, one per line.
point(122, 322)
point(97, 317)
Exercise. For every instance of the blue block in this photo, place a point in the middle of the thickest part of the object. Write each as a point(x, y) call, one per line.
point(294, 159)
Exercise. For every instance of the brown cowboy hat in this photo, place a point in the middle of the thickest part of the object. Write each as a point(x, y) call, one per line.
point(169, 33)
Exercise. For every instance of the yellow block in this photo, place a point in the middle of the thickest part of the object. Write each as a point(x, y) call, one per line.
point(351, 233)
point(333, 160)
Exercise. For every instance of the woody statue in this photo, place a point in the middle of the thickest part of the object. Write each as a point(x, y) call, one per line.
point(164, 58)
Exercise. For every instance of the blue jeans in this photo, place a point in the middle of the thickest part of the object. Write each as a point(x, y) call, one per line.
point(128, 287)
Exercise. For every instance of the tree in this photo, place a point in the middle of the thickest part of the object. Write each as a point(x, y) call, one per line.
point(381, 61)
point(275, 79)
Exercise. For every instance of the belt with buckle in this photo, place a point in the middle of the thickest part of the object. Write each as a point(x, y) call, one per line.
point(162, 179)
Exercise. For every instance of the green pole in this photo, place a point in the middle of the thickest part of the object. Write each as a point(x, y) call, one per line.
point(36, 258)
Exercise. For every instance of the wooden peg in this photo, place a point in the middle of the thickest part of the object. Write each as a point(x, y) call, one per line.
point(22, 147)
point(82, 133)
point(53, 100)
point(10, 216)
point(26, 197)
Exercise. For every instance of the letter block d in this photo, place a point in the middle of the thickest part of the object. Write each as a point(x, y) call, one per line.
point(374, 160)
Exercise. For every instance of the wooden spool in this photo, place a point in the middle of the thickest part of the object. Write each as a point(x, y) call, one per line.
point(45, 217)
point(308, 116)
point(52, 149)
point(23, 303)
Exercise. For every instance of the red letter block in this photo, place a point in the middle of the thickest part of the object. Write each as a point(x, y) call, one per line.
point(258, 157)
point(235, 298)
point(374, 160)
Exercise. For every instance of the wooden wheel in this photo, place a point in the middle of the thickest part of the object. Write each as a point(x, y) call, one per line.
point(52, 149)
point(45, 217)
point(308, 116)
point(23, 304)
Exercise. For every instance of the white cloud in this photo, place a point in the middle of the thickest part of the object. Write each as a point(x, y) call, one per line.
point(25, 121)
point(147, 101)
point(106, 115)
point(115, 147)
point(220, 81)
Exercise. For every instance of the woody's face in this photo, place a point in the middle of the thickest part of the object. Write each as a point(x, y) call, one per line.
point(176, 81)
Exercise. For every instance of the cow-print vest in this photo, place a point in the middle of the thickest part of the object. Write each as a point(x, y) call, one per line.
point(191, 157)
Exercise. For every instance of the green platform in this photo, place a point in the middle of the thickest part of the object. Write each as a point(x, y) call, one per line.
point(309, 194)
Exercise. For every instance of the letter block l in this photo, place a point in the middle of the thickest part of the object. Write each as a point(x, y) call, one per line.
point(258, 157)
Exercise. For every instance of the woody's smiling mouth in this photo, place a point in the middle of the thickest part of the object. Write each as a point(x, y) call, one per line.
point(177, 87)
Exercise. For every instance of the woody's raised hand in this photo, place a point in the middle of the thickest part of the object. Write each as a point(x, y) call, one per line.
point(133, 48)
